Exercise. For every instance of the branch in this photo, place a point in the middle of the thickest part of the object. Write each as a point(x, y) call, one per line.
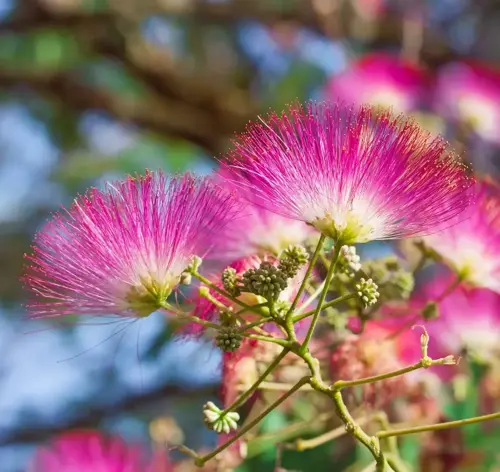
point(162, 116)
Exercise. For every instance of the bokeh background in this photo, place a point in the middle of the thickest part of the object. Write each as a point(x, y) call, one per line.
point(93, 89)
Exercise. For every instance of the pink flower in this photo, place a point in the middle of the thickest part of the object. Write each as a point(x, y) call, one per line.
point(91, 451)
point(382, 80)
point(472, 246)
point(468, 319)
point(356, 175)
point(469, 93)
point(256, 231)
point(123, 250)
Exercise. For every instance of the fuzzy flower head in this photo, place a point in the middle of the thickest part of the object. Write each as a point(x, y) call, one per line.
point(123, 250)
point(255, 231)
point(469, 319)
point(469, 93)
point(472, 246)
point(356, 175)
point(91, 451)
point(382, 80)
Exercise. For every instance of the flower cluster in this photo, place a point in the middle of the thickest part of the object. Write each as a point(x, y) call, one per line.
point(283, 290)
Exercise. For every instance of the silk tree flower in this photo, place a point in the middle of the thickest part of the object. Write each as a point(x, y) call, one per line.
point(356, 175)
point(255, 231)
point(469, 319)
point(469, 93)
point(472, 246)
point(382, 80)
point(122, 250)
point(91, 451)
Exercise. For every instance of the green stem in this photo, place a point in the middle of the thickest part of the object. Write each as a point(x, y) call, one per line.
point(239, 401)
point(312, 263)
point(268, 339)
point(192, 318)
point(338, 300)
point(321, 301)
point(200, 461)
point(424, 363)
point(313, 297)
point(255, 324)
point(437, 427)
point(222, 292)
point(304, 444)
point(355, 430)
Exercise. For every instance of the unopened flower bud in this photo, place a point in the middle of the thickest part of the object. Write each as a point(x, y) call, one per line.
point(349, 261)
point(230, 282)
point(367, 291)
point(195, 264)
point(217, 420)
point(292, 259)
point(430, 311)
point(228, 339)
point(450, 360)
point(267, 281)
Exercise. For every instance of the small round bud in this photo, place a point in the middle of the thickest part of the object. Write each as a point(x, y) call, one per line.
point(230, 282)
point(267, 281)
point(349, 261)
point(292, 259)
point(367, 291)
point(228, 339)
point(217, 420)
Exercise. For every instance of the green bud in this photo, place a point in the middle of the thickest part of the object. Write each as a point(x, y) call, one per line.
point(367, 291)
point(217, 420)
point(349, 261)
point(400, 285)
point(228, 339)
point(292, 259)
point(195, 264)
point(230, 282)
point(267, 281)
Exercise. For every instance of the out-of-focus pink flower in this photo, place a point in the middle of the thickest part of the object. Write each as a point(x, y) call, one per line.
point(376, 352)
point(469, 93)
point(355, 174)
point(468, 319)
point(122, 250)
point(471, 247)
point(91, 451)
point(255, 231)
point(382, 80)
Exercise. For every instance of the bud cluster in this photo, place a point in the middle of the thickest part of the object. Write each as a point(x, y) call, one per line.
point(228, 338)
point(217, 420)
point(230, 282)
point(368, 291)
point(349, 262)
point(394, 282)
point(292, 259)
point(267, 281)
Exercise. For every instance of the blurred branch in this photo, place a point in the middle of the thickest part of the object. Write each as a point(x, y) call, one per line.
point(164, 116)
point(91, 417)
